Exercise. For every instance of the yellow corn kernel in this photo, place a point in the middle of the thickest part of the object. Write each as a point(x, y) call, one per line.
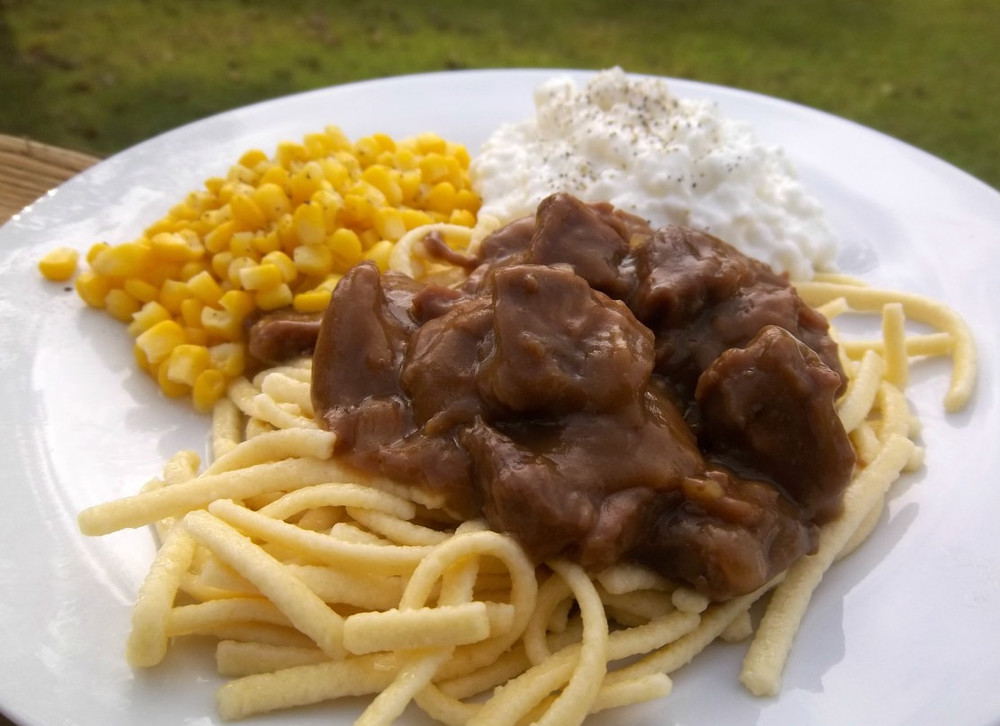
point(386, 180)
point(140, 289)
point(336, 173)
point(213, 183)
point(176, 247)
point(379, 254)
point(241, 174)
point(92, 288)
point(313, 259)
point(208, 388)
point(309, 224)
point(228, 358)
point(267, 242)
point(358, 211)
point(96, 249)
point(331, 203)
point(274, 298)
point(121, 305)
point(460, 154)
point(409, 185)
point(350, 162)
point(252, 158)
point(160, 339)
point(216, 217)
point(284, 263)
point(202, 201)
point(183, 212)
point(237, 303)
point(329, 282)
point(285, 228)
point(272, 200)
point(246, 214)
point(186, 362)
point(172, 294)
point(317, 145)
point(368, 238)
point(289, 151)
point(314, 301)
point(195, 334)
point(141, 360)
point(161, 272)
point(241, 244)
point(306, 181)
point(274, 175)
point(191, 311)
point(264, 276)
point(59, 264)
point(462, 217)
point(220, 323)
point(369, 192)
point(405, 158)
point(435, 168)
point(235, 267)
point(413, 218)
point(199, 200)
point(429, 142)
point(218, 238)
point(467, 199)
point(161, 225)
point(192, 269)
point(225, 192)
point(220, 263)
point(205, 287)
point(389, 223)
point(385, 142)
point(128, 259)
point(337, 138)
point(367, 150)
point(146, 317)
point(441, 197)
point(169, 387)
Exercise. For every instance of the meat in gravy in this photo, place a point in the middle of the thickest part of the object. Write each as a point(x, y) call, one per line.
point(601, 391)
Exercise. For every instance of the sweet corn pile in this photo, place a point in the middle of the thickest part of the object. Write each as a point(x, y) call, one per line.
point(275, 233)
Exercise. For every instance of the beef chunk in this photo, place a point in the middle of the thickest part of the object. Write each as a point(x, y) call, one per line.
point(278, 337)
point(769, 408)
point(557, 345)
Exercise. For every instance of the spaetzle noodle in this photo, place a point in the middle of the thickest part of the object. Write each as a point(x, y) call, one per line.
point(319, 584)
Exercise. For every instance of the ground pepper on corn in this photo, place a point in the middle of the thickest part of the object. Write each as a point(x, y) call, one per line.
point(277, 232)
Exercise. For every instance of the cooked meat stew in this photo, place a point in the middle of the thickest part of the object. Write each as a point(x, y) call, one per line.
point(601, 391)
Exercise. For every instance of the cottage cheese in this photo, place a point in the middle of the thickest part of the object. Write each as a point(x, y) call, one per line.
point(628, 141)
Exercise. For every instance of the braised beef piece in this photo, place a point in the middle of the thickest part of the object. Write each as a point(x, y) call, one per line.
point(579, 235)
point(277, 337)
point(601, 391)
point(723, 534)
point(796, 438)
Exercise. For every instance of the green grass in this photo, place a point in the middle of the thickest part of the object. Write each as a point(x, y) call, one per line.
point(100, 76)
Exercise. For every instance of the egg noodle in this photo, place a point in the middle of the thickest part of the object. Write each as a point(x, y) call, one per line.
point(319, 583)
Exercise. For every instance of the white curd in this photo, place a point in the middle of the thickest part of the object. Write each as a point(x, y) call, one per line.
point(629, 141)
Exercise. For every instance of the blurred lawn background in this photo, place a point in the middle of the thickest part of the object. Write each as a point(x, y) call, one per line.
point(101, 75)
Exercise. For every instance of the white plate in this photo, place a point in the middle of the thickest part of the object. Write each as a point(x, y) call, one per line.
point(904, 632)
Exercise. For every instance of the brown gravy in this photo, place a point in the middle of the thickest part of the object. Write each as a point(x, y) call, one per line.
point(601, 391)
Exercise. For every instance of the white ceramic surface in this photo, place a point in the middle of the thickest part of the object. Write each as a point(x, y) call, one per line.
point(904, 632)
